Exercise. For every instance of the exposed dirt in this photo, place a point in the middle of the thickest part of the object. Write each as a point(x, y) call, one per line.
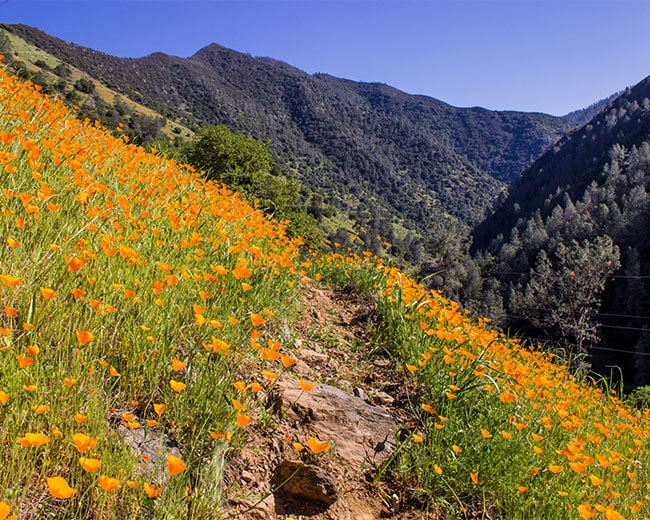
point(269, 479)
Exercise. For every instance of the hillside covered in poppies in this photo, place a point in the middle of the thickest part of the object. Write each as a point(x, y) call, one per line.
point(140, 301)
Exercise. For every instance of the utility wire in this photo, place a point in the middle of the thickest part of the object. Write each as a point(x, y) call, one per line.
point(623, 316)
point(598, 314)
point(621, 276)
point(598, 325)
point(599, 348)
point(623, 351)
point(623, 328)
point(539, 309)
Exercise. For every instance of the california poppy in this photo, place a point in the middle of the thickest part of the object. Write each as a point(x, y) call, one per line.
point(175, 465)
point(306, 387)
point(90, 465)
point(317, 446)
point(107, 483)
point(33, 439)
point(177, 386)
point(257, 320)
point(59, 487)
point(83, 442)
point(48, 294)
point(84, 337)
point(243, 420)
point(152, 490)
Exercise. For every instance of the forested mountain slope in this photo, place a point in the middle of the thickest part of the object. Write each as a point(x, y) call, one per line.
point(573, 163)
point(570, 246)
point(388, 161)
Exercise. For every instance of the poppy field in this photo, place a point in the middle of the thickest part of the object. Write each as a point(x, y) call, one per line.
point(140, 301)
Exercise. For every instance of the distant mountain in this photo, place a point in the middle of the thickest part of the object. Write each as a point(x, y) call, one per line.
point(584, 115)
point(389, 162)
point(569, 245)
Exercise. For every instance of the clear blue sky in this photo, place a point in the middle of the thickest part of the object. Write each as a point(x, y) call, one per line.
point(551, 56)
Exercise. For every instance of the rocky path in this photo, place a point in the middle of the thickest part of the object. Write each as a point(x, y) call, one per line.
point(358, 405)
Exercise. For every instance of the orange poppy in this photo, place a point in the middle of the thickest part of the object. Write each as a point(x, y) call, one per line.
point(152, 490)
point(177, 386)
point(84, 337)
point(33, 439)
point(41, 409)
point(59, 488)
point(177, 365)
point(10, 281)
point(306, 387)
point(90, 465)
point(48, 294)
point(5, 509)
point(243, 420)
point(83, 442)
point(257, 320)
point(175, 465)
point(24, 361)
point(317, 446)
point(242, 272)
point(107, 483)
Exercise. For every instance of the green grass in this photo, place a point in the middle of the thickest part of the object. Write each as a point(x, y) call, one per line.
point(124, 275)
point(500, 429)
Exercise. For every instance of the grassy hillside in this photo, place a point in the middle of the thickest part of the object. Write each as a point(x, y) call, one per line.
point(385, 159)
point(118, 268)
point(140, 300)
point(103, 103)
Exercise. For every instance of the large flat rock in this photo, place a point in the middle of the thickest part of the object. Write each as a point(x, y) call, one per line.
point(360, 433)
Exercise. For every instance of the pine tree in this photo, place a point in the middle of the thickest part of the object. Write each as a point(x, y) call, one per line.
point(562, 294)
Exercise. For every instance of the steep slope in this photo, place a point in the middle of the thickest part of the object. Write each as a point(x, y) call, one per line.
point(360, 145)
point(570, 242)
point(154, 357)
point(77, 88)
point(573, 163)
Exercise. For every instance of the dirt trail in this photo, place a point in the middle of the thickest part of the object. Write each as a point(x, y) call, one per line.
point(359, 405)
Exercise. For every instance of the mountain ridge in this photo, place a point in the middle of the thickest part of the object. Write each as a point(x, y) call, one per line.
point(569, 243)
point(357, 145)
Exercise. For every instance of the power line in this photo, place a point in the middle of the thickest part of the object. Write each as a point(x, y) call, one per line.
point(634, 352)
point(623, 328)
point(624, 316)
point(602, 348)
point(623, 351)
point(640, 329)
point(621, 276)
point(539, 309)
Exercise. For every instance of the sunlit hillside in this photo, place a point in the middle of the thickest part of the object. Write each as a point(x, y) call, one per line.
point(141, 302)
point(131, 290)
